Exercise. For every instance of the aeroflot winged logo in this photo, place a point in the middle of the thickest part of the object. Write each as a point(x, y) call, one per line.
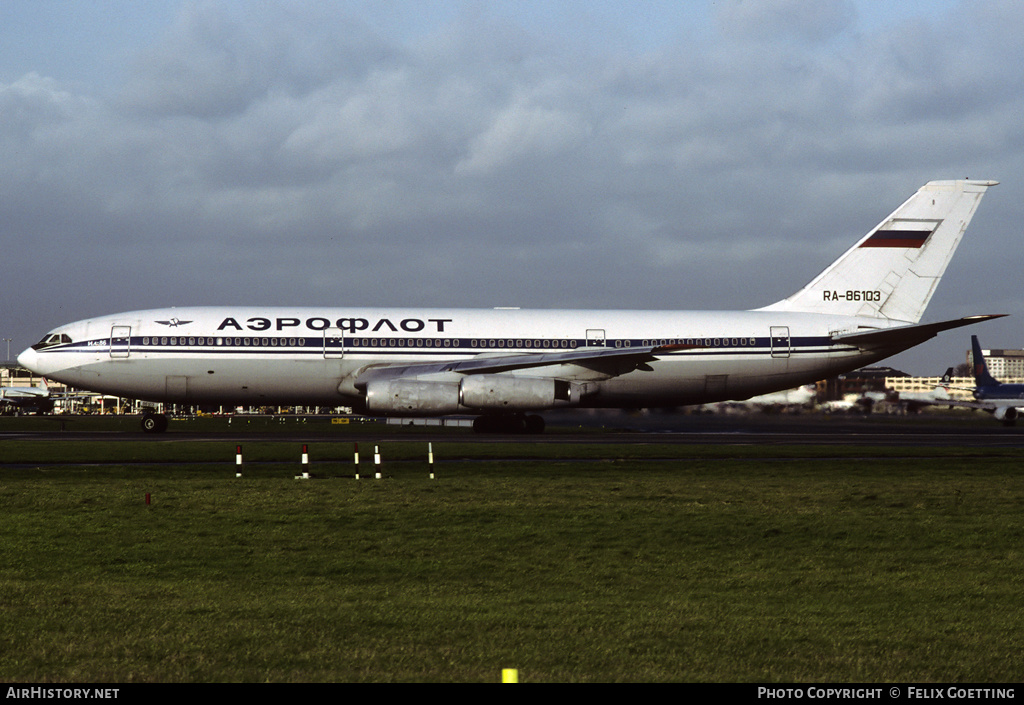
point(911, 234)
point(174, 323)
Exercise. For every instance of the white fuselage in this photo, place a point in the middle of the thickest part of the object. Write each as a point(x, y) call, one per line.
point(315, 356)
point(862, 308)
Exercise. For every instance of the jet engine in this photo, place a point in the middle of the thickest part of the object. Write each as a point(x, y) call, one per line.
point(411, 397)
point(1006, 414)
point(414, 397)
point(504, 393)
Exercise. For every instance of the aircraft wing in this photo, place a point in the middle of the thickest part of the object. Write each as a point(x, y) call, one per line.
point(983, 405)
point(906, 336)
point(633, 357)
point(13, 393)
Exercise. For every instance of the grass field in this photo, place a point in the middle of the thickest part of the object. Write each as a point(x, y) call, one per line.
point(625, 563)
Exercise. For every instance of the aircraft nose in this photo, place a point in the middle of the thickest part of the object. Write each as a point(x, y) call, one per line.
point(28, 359)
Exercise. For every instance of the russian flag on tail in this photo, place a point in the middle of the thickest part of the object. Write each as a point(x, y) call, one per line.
point(911, 234)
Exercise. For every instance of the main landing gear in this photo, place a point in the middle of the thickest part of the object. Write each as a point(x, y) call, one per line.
point(516, 423)
point(154, 423)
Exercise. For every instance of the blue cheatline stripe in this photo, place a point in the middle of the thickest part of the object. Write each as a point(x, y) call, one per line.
point(460, 347)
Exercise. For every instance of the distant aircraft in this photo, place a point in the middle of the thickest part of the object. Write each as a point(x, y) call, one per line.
point(798, 396)
point(841, 405)
point(1003, 401)
point(507, 364)
point(860, 403)
point(914, 401)
point(37, 398)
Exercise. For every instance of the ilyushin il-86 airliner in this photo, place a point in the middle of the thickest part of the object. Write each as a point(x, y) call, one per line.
point(505, 365)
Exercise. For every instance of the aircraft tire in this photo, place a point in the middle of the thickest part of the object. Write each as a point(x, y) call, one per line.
point(534, 424)
point(486, 424)
point(518, 423)
point(154, 423)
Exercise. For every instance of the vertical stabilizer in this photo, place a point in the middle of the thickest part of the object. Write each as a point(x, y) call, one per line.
point(892, 272)
point(982, 378)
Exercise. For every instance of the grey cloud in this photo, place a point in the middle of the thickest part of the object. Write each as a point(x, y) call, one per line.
point(293, 155)
point(215, 62)
point(807, 20)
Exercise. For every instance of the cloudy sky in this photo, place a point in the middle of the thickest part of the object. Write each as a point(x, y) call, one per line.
point(543, 154)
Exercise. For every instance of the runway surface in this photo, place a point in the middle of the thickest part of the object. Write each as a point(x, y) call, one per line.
point(610, 428)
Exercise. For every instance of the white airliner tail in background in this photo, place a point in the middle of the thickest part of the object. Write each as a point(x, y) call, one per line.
point(505, 365)
point(892, 272)
point(37, 398)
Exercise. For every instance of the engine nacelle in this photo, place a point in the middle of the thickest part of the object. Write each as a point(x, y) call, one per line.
point(1006, 414)
point(410, 397)
point(506, 393)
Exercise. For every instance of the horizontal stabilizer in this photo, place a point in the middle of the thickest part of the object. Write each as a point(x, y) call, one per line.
point(904, 337)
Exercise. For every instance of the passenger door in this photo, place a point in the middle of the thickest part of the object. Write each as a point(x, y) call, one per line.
point(120, 341)
point(334, 343)
point(780, 341)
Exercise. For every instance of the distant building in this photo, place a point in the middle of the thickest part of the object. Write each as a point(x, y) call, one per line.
point(14, 375)
point(960, 387)
point(1004, 365)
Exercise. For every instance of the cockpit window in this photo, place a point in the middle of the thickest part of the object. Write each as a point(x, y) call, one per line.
point(52, 339)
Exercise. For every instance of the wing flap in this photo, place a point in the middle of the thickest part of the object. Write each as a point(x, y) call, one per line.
point(519, 361)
